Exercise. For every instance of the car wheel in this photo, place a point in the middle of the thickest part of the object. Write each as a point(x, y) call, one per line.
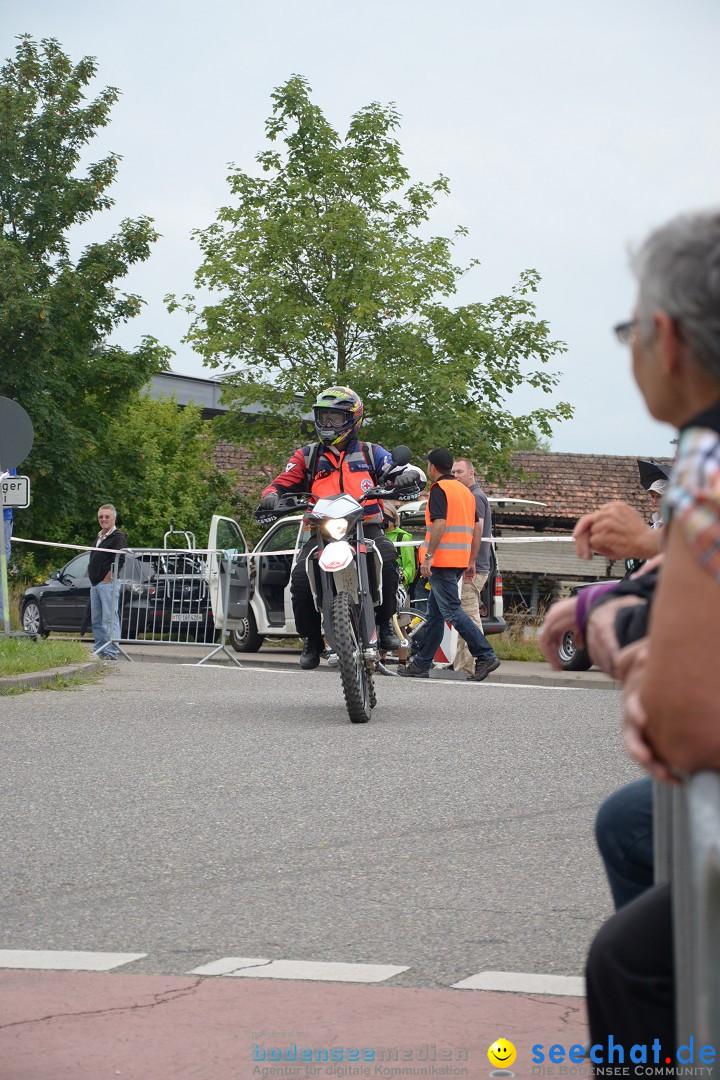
point(247, 639)
point(32, 621)
point(571, 657)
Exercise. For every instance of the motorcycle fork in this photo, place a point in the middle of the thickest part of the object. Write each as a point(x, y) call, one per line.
point(328, 582)
point(367, 611)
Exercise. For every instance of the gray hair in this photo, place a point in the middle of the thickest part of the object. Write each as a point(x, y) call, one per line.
point(678, 271)
point(107, 506)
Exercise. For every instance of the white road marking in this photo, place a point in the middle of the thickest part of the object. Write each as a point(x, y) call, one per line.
point(244, 967)
point(237, 967)
point(470, 687)
point(56, 960)
point(244, 667)
point(228, 965)
point(517, 982)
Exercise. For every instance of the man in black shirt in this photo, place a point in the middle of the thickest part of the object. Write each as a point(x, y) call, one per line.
point(105, 619)
point(450, 549)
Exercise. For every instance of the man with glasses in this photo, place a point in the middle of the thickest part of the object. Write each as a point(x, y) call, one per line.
point(105, 618)
point(669, 673)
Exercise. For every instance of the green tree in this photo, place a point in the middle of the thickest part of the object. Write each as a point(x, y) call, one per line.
point(162, 470)
point(532, 441)
point(57, 313)
point(326, 275)
point(159, 468)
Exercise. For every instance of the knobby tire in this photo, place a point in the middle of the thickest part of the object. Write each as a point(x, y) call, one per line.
point(356, 682)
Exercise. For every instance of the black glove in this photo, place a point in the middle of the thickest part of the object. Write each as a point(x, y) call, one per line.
point(409, 478)
point(270, 501)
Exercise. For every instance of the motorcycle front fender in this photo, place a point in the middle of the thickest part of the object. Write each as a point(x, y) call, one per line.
point(336, 557)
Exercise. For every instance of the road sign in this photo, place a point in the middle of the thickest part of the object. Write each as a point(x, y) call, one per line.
point(16, 492)
point(16, 434)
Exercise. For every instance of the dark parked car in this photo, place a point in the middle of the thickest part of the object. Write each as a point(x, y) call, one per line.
point(160, 593)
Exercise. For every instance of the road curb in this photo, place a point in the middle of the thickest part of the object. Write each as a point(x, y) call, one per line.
point(33, 679)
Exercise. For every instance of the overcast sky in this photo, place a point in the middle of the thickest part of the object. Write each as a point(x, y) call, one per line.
point(567, 129)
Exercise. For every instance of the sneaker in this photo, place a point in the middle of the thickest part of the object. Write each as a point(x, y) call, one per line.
point(483, 669)
point(412, 671)
point(310, 656)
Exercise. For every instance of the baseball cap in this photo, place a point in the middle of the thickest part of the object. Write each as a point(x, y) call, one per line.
point(441, 459)
point(660, 486)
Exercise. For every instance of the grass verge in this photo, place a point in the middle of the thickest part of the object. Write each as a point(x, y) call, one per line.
point(20, 656)
point(71, 683)
point(518, 641)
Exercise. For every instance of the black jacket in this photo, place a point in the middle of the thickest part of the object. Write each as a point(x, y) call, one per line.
point(100, 562)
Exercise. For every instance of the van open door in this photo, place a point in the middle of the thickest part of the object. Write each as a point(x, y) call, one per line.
point(228, 573)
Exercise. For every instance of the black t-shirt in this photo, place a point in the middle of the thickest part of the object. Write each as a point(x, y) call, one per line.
point(437, 503)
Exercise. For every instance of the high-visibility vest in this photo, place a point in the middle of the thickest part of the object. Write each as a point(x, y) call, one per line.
point(456, 542)
point(352, 474)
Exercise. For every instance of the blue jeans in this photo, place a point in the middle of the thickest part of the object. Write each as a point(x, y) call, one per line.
point(444, 606)
point(624, 834)
point(103, 616)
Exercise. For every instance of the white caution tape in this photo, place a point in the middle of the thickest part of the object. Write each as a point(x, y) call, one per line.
point(285, 551)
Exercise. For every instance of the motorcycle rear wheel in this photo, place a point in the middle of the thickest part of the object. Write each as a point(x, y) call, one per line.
point(356, 681)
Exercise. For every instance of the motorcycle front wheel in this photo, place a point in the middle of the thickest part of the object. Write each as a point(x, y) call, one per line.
point(356, 681)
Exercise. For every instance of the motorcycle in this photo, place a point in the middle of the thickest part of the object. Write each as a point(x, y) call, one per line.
point(344, 590)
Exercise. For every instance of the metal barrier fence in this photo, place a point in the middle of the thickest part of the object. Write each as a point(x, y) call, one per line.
point(177, 596)
point(686, 823)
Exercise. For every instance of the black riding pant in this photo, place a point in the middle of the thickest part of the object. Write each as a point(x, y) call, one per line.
point(307, 619)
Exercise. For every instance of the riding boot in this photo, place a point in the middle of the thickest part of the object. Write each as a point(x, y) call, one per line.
point(310, 656)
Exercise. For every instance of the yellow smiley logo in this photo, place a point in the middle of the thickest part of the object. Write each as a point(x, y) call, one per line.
point(502, 1053)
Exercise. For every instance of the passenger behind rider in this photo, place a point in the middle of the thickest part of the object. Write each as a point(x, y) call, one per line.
point(340, 462)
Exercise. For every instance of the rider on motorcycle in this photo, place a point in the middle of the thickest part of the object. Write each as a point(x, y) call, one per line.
point(340, 462)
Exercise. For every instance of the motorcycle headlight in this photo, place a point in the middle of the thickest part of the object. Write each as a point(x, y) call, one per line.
point(335, 528)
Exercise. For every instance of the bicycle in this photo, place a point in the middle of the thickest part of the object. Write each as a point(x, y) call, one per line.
point(408, 626)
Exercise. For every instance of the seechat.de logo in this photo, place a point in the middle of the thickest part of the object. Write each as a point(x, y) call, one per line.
point(616, 1054)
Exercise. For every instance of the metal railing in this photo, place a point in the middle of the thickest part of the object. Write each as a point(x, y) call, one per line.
point(686, 824)
point(166, 596)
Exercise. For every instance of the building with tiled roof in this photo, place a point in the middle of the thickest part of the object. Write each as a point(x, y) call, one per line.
point(570, 485)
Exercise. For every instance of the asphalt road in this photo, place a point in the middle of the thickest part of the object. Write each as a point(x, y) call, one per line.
point(197, 813)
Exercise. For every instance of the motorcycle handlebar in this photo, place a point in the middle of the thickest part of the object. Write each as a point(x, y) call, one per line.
point(290, 504)
point(286, 504)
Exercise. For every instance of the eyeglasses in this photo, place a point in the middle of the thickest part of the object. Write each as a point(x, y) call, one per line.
point(625, 331)
point(104, 517)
